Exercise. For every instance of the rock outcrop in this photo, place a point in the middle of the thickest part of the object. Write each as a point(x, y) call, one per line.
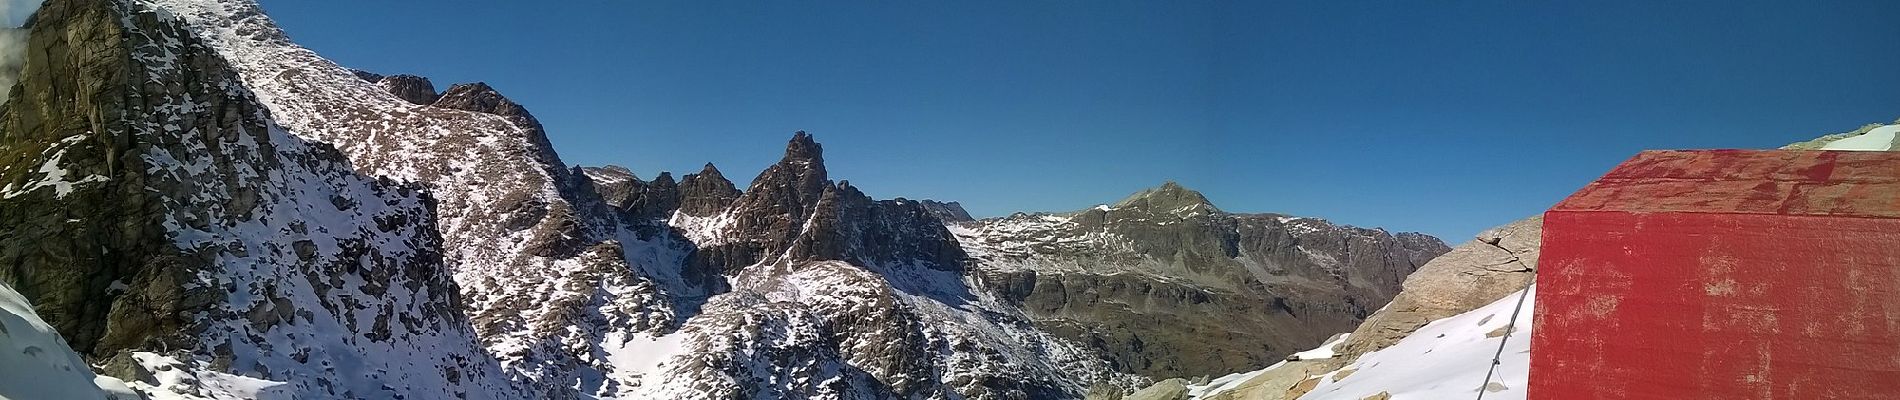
point(410, 88)
point(794, 212)
point(1499, 261)
point(947, 211)
point(706, 192)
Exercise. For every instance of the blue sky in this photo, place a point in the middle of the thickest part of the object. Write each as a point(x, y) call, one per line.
point(1439, 117)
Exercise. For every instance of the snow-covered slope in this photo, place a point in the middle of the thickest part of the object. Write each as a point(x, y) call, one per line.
point(1446, 359)
point(550, 278)
point(1878, 139)
point(35, 362)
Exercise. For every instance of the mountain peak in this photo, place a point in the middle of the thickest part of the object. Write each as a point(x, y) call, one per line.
point(479, 97)
point(1169, 196)
point(804, 148)
point(710, 171)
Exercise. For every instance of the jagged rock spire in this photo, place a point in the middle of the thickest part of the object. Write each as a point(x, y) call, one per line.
point(706, 193)
point(804, 148)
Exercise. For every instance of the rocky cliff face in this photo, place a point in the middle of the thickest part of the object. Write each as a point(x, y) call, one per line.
point(1168, 285)
point(162, 219)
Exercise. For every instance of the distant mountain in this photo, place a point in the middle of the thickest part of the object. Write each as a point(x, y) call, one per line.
point(1168, 285)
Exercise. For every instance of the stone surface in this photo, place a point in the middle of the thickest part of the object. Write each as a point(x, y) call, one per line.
point(947, 211)
point(1172, 389)
point(410, 88)
point(1497, 262)
point(706, 193)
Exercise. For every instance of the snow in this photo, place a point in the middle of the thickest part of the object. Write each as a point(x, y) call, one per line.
point(642, 357)
point(1233, 381)
point(179, 380)
point(36, 363)
point(53, 175)
point(1878, 139)
point(1446, 359)
point(1322, 352)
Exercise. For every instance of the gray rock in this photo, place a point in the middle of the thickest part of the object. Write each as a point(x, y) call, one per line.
point(1172, 389)
point(410, 88)
point(706, 193)
point(947, 211)
point(1497, 262)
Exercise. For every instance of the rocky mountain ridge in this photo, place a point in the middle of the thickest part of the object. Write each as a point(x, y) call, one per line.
point(210, 211)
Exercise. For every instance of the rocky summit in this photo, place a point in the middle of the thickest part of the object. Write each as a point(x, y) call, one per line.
point(204, 209)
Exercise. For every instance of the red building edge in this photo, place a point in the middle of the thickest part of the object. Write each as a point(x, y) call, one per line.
point(1723, 274)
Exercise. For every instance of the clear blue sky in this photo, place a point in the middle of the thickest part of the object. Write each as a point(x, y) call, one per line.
point(1410, 115)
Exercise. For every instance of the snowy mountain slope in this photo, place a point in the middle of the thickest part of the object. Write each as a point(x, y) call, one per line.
point(834, 295)
point(527, 237)
point(172, 221)
point(35, 362)
point(1878, 139)
point(592, 285)
point(1870, 137)
point(1168, 285)
point(1445, 359)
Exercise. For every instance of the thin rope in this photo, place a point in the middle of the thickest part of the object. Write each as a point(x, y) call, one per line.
point(1509, 328)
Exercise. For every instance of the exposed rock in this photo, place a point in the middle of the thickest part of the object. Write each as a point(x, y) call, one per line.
point(367, 76)
point(478, 97)
point(411, 88)
point(706, 193)
point(794, 209)
point(1169, 197)
point(1499, 261)
point(947, 211)
point(1172, 389)
point(617, 185)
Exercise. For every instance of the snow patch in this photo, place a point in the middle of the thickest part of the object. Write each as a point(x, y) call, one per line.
point(1878, 139)
point(1446, 359)
point(36, 363)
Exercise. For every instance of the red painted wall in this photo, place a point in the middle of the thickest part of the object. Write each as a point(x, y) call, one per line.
point(1723, 275)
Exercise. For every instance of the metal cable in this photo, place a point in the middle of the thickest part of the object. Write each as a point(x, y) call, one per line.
point(1509, 328)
